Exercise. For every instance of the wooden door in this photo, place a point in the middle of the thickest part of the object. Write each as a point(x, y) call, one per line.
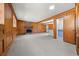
point(8, 26)
point(69, 29)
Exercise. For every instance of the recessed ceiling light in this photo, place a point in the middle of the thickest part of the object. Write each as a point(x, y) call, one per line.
point(52, 7)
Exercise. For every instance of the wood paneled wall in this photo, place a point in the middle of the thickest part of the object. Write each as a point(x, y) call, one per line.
point(34, 27)
point(64, 15)
point(77, 28)
point(51, 26)
point(60, 15)
point(14, 18)
point(1, 13)
point(54, 30)
point(21, 27)
point(7, 33)
point(8, 26)
point(41, 27)
point(69, 29)
point(1, 39)
point(14, 30)
point(1, 28)
point(38, 27)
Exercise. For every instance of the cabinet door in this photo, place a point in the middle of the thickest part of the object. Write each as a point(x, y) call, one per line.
point(69, 29)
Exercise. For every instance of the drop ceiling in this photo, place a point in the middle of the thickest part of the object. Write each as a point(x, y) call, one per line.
point(35, 12)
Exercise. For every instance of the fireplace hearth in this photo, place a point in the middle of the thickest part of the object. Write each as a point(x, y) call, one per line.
point(29, 30)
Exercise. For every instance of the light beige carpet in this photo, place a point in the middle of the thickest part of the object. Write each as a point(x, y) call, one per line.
point(40, 44)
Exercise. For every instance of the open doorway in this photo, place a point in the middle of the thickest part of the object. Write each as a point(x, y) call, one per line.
point(60, 29)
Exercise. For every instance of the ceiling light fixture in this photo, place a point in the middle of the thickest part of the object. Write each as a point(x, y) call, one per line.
point(52, 7)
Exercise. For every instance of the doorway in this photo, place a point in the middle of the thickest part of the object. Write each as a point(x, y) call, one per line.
point(60, 29)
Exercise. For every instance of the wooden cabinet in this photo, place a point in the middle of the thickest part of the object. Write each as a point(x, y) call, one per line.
point(69, 29)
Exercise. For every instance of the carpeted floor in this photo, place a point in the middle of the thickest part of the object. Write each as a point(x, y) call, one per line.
point(40, 44)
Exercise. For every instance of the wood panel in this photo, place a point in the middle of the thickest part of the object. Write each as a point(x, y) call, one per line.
point(7, 30)
point(50, 26)
point(69, 29)
point(60, 15)
point(14, 30)
point(41, 27)
point(14, 20)
point(14, 33)
point(77, 28)
point(54, 30)
point(1, 47)
point(1, 28)
point(34, 27)
point(1, 13)
point(8, 26)
point(1, 39)
point(38, 27)
point(21, 27)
